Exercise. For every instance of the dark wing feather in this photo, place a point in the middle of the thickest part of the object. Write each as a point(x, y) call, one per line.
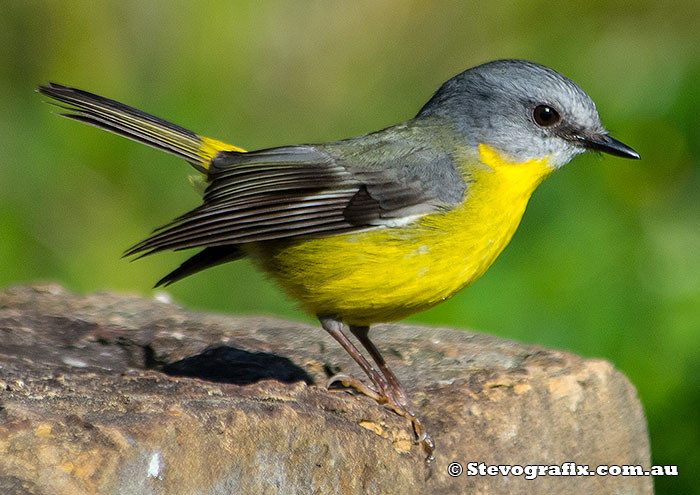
point(206, 258)
point(289, 192)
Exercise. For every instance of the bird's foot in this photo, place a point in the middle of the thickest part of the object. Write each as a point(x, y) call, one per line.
point(350, 382)
point(387, 397)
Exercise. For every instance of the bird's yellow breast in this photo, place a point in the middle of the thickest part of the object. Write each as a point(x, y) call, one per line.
point(390, 273)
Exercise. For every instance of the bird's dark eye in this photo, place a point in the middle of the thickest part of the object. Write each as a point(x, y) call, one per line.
point(546, 116)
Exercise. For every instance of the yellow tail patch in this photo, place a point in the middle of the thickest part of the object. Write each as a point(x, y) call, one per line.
point(210, 147)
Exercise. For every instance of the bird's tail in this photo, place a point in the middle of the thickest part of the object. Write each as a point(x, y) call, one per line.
point(137, 125)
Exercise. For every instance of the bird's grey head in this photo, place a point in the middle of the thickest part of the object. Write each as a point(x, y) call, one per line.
point(523, 110)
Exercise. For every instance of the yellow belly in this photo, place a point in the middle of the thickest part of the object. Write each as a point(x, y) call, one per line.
point(390, 273)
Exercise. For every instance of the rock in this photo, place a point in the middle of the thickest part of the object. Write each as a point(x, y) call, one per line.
point(115, 394)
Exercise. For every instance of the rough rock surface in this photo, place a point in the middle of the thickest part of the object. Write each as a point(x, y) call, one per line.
point(115, 394)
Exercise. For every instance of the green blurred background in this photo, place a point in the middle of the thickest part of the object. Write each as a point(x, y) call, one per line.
point(605, 263)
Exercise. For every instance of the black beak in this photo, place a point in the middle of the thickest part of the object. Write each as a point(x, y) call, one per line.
point(606, 144)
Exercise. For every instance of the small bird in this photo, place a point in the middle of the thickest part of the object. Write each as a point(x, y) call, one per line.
point(377, 227)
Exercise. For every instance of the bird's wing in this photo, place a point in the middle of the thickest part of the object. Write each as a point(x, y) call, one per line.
point(301, 192)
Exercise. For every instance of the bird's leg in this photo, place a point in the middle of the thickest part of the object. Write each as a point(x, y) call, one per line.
point(395, 395)
point(334, 327)
point(362, 334)
point(387, 388)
